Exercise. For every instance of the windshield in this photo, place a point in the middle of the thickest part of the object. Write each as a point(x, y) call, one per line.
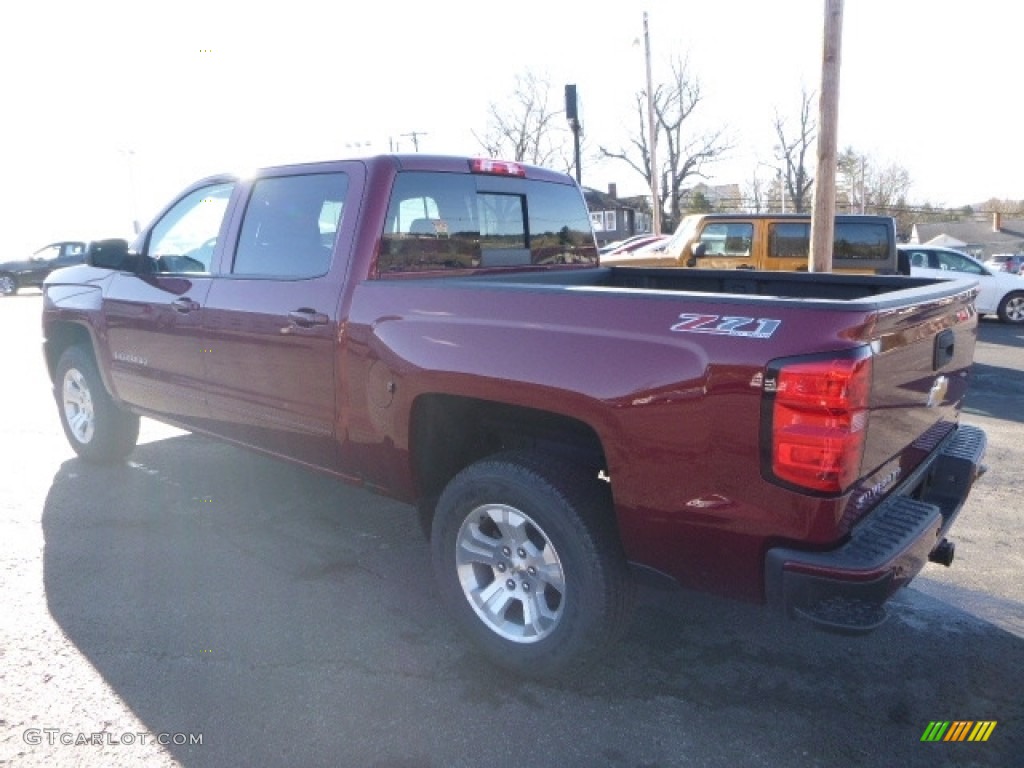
point(684, 233)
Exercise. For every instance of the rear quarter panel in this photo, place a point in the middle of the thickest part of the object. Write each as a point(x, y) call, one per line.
point(678, 413)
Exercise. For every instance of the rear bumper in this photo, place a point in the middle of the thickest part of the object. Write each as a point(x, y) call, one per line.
point(845, 589)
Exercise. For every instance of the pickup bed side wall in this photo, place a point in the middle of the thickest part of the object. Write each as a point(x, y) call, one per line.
point(673, 427)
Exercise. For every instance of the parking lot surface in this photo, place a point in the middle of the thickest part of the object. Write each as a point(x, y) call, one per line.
point(246, 612)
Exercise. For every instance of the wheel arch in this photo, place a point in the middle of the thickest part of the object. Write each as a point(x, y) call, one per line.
point(63, 334)
point(450, 432)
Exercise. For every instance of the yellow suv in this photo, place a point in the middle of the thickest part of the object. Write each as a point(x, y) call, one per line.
point(864, 244)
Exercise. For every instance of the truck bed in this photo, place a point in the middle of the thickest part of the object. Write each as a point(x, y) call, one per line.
point(867, 291)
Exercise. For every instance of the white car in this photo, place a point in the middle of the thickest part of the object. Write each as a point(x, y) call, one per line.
point(1001, 293)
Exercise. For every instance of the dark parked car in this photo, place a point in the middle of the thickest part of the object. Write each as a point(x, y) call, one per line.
point(34, 269)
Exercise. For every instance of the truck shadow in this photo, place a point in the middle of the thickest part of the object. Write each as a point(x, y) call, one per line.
point(996, 391)
point(292, 620)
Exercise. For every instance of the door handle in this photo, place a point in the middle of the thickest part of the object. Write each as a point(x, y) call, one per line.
point(942, 352)
point(307, 318)
point(185, 305)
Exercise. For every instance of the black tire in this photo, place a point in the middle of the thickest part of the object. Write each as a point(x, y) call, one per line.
point(1011, 308)
point(425, 512)
point(555, 566)
point(97, 429)
point(8, 284)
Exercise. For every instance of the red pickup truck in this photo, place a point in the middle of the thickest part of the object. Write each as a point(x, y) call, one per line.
point(440, 329)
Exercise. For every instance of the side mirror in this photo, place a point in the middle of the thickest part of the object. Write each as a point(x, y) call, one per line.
point(111, 254)
point(697, 251)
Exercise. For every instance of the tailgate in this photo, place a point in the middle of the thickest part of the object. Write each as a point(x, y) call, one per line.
point(921, 365)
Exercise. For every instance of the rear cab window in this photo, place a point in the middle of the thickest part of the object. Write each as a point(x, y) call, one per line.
point(440, 221)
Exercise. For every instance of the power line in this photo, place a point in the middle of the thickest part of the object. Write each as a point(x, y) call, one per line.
point(415, 136)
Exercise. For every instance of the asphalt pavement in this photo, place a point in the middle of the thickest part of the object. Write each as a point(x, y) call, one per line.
point(206, 606)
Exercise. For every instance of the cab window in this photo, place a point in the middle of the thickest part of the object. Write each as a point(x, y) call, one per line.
point(289, 226)
point(727, 238)
point(789, 240)
point(956, 263)
point(861, 241)
point(49, 253)
point(184, 238)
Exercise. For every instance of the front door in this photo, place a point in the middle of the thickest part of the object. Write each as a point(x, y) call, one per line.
point(154, 314)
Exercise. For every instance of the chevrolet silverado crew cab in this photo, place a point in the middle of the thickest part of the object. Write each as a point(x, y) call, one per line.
point(438, 329)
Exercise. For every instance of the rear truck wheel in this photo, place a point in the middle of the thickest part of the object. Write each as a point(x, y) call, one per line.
point(8, 284)
point(528, 560)
point(98, 430)
point(1011, 308)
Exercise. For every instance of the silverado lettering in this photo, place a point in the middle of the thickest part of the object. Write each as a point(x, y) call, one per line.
point(440, 329)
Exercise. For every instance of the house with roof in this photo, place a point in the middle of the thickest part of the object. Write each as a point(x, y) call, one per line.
point(720, 197)
point(979, 237)
point(615, 218)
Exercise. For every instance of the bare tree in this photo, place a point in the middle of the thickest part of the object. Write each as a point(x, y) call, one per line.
point(851, 174)
point(888, 187)
point(792, 152)
point(681, 155)
point(869, 187)
point(526, 128)
point(754, 193)
point(1004, 206)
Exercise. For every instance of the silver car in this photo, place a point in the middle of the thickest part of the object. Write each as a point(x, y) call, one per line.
point(1000, 293)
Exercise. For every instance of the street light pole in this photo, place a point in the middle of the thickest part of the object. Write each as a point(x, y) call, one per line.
point(129, 155)
point(655, 197)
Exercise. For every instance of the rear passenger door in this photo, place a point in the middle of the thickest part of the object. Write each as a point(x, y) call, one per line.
point(271, 317)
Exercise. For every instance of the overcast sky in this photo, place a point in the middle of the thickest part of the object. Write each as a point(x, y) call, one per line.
point(110, 107)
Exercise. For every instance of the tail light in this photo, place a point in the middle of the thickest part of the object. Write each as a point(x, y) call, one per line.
point(815, 420)
point(497, 167)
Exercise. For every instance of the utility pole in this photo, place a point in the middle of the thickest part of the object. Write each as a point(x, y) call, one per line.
point(572, 114)
point(823, 217)
point(415, 136)
point(651, 126)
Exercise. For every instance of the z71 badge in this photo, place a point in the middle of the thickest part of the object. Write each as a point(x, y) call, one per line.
point(747, 327)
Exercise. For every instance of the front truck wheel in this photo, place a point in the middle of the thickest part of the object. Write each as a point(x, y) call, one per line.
point(98, 430)
point(528, 560)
